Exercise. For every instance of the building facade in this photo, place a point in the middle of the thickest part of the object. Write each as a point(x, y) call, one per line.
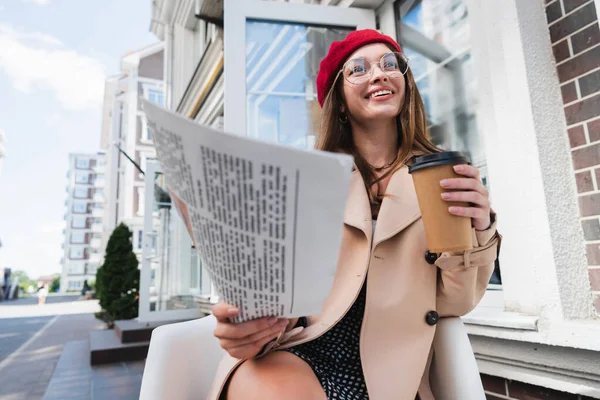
point(126, 139)
point(83, 220)
point(2, 149)
point(512, 82)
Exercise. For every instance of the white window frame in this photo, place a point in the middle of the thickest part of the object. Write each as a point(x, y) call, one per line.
point(85, 161)
point(82, 177)
point(141, 191)
point(79, 217)
point(144, 313)
point(144, 134)
point(238, 12)
point(79, 203)
point(76, 249)
point(77, 232)
point(81, 188)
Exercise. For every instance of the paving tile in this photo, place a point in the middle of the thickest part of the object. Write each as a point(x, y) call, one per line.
point(117, 381)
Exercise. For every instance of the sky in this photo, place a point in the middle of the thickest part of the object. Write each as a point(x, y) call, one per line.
point(54, 57)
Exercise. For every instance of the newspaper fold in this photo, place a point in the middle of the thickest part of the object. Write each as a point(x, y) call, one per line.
point(266, 219)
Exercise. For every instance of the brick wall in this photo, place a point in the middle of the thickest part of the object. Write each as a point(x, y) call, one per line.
point(575, 36)
point(504, 389)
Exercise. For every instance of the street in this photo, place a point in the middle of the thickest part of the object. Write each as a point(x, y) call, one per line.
point(32, 338)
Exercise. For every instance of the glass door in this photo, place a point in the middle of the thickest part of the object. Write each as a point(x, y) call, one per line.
point(272, 56)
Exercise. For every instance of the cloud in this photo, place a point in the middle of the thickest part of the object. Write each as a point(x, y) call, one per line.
point(37, 62)
point(38, 2)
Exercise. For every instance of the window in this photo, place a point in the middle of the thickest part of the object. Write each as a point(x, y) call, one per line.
point(156, 96)
point(74, 285)
point(79, 207)
point(141, 201)
point(76, 252)
point(76, 268)
point(146, 134)
point(77, 237)
point(91, 269)
point(79, 221)
point(436, 38)
point(140, 238)
point(82, 177)
point(82, 163)
point(81, 192)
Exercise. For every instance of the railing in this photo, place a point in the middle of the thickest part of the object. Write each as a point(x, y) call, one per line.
point(97, 228)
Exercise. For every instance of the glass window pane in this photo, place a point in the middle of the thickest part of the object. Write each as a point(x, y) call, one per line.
point(440, 59)
point(282, 61)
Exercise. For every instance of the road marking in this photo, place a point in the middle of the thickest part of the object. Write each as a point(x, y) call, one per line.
point(21, 348)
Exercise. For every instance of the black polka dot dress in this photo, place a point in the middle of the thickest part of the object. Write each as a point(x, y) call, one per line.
point(335, 356)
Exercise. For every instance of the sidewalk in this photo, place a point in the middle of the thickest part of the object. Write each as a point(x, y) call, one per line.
point(25, 374)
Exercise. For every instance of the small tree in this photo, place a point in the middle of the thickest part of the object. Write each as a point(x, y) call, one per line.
point(55, 285)
point(118, 279)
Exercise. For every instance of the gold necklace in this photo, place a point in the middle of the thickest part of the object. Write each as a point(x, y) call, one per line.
point(383, 166)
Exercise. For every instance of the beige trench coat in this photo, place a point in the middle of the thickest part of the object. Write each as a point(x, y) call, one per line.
point(402, 291)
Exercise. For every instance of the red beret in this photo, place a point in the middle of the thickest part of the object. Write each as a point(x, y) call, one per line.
point(340, 51)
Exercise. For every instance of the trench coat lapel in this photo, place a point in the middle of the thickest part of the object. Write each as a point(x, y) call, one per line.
point(358, 210)
point(399, 208)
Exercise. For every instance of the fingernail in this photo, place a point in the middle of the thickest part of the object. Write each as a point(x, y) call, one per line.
point(453, 209)
point(444, 182)
point(233, 311)
point(445, 196)
point(458, 168)
point(272, 320)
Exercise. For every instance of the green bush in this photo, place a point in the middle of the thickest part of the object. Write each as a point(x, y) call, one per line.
point(118, 279)
point(55, 285)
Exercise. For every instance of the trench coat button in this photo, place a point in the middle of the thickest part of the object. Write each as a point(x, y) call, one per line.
point(432, 318)
point(430, 257)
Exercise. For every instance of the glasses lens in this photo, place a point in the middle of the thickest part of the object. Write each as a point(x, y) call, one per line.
point(357, 70)
point(394, 64)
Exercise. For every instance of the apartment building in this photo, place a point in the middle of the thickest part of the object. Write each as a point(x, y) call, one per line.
point(126, 140)
point(2, 149)
point(83, 220)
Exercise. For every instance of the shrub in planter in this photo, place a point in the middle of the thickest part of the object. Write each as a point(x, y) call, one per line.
point(118, 279)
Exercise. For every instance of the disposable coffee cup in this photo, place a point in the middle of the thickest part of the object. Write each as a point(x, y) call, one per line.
point(445, 232)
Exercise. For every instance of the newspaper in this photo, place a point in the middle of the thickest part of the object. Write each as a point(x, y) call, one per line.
point(266, 219)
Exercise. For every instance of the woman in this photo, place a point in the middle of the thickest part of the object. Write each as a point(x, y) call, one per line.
point(373, 338)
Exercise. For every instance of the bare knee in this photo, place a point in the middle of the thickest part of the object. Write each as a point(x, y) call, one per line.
point(279, 375)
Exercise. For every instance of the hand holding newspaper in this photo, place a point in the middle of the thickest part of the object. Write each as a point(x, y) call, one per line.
point(266, 219)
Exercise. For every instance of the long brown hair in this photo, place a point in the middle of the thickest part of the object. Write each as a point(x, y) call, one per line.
point(413, 135)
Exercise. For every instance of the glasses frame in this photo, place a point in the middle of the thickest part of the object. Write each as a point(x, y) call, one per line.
point(371, 69)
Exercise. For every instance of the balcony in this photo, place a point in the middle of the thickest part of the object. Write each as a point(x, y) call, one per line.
point(95, 243)
point(97, 227)
point(98, 198)
point(100, 169)
point(95, 258)
point(97, 212)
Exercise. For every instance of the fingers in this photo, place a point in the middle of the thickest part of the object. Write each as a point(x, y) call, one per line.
point(474, 212)
point(269, 333)
point(251, 349)
point(467, 170)
point(227, 330)
point(467, 197)
point(224, 311)
point(464, 184)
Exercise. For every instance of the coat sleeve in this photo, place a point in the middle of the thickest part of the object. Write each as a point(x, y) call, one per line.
point(463, 276)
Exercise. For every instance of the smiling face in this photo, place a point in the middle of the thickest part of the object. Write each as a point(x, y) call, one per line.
point(380, 96)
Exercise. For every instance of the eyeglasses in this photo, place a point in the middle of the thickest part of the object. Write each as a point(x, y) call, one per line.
point(359, 70)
